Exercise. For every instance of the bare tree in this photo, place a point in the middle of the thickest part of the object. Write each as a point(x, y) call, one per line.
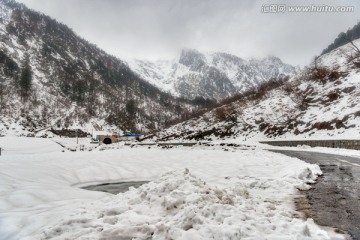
point(315, 62)
point(355, 48)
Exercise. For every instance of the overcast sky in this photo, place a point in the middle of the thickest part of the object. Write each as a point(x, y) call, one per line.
point(158, 29)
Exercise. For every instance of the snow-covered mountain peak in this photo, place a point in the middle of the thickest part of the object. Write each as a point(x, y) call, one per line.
point(217, 57)
point(192, 59)
point(213, 75)
point(5, 13)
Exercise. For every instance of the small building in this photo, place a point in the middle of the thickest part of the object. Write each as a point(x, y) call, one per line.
point(105, 137)
point(109, 138)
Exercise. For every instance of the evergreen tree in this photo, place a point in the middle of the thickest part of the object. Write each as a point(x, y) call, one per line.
point(2, 94)
point(131, 108)
point(344, 38)
point(25, 79)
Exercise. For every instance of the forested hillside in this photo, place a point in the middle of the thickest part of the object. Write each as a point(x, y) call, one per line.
point(50, 77)
point(344, 38)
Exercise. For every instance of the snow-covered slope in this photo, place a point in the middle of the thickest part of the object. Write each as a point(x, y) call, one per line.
point(319, 102)
point(211, 75)
point(71, 79)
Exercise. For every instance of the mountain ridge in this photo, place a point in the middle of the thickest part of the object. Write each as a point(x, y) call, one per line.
point(71, 78)
point(229, 74)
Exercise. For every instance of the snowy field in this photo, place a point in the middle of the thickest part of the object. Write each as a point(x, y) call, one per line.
point(194, 193)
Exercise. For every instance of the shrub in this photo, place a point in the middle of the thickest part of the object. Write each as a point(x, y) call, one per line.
point(339, 124)
point(320, 73)
point(333, 96)
point(357, 63)
point(323, 126)
point(334, 75)
point(288, 88)
point(325, 74)
point(220, 113)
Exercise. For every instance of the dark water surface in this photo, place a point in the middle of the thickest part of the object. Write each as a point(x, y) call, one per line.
point(115, 188)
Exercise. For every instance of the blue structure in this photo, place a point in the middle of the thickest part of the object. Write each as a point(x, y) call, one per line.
point(132, 135)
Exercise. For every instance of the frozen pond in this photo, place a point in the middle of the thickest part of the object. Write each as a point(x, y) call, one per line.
point(115, 188)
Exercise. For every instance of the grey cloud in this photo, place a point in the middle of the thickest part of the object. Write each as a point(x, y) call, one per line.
point(160, 28)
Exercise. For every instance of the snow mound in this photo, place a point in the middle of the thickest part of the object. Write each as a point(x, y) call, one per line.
point(180, 205)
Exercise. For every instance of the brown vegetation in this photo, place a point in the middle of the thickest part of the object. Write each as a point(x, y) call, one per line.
point(325, 74)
